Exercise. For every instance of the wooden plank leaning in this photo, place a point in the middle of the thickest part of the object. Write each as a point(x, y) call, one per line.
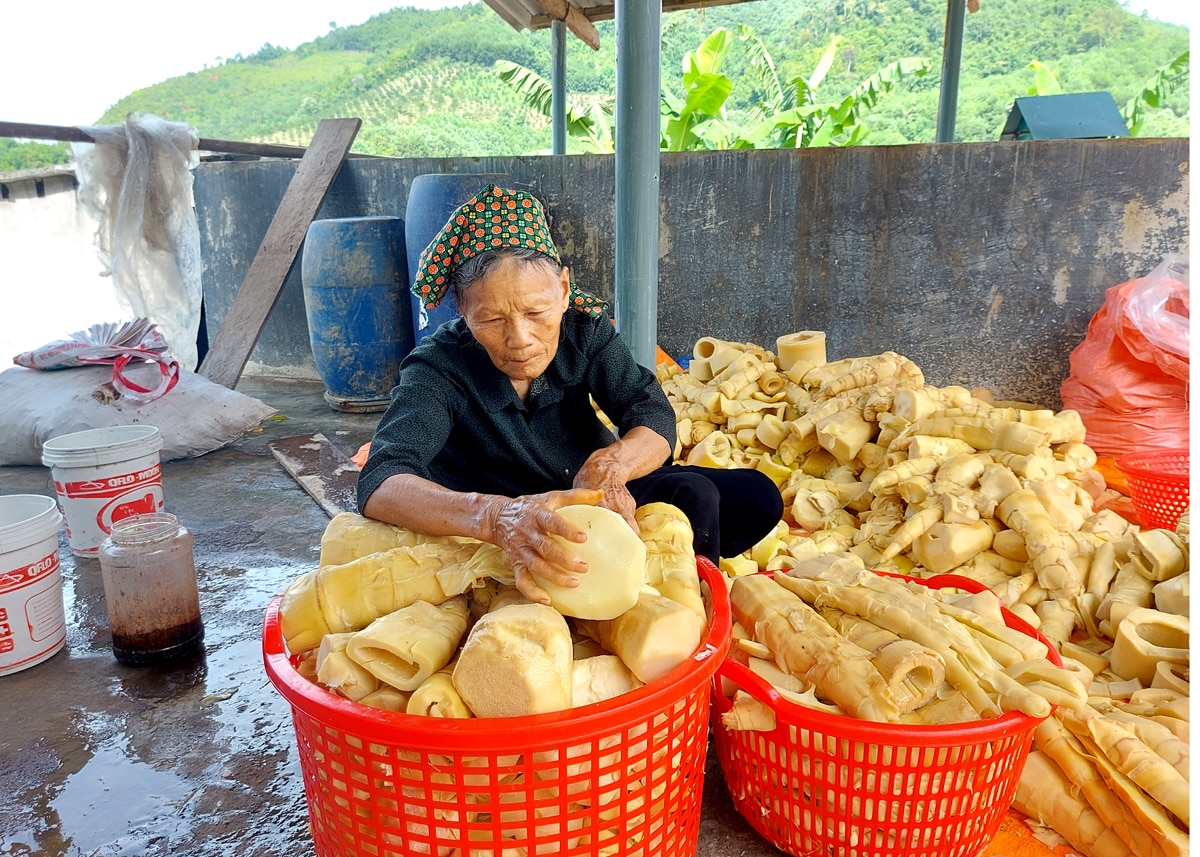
point(277, 253)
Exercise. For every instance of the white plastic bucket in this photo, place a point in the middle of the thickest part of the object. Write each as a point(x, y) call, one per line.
point(33, 625)
point(103, 475)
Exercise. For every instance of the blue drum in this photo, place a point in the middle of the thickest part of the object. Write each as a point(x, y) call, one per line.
point(432, 198)
point(356, 300)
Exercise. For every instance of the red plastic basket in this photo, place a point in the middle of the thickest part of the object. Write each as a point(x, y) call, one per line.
point(620, 777)
point(823, 784)
point(1158, 485)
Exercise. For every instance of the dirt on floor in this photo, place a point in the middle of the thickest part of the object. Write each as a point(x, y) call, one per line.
point(200, 759)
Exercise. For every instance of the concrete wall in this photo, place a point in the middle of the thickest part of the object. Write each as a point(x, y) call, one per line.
point(51, 283)
point(981, 262)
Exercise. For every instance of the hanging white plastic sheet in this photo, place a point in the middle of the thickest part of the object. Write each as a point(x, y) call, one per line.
point(136, 181)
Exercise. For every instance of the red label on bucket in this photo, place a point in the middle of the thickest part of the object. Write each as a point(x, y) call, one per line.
point(25, 575)
point(112, 498)
point(6, 634)
point(112, 486)
point(136, 502)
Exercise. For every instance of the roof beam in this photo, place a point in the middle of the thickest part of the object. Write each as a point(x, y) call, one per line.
point(606, 11)
point(576, 21)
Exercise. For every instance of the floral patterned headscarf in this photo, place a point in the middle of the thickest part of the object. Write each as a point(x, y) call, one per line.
point(492, 219)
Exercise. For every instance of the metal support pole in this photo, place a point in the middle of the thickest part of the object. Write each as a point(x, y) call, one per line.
point(956, 21)
point(638, 30)
point(558, 87)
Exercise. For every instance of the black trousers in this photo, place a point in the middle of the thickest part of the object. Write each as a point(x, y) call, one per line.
point(730, 510)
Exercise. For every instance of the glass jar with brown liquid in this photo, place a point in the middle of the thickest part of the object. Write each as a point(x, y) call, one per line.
point(150, 586)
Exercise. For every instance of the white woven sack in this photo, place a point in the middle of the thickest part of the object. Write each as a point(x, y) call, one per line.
point(195, 417)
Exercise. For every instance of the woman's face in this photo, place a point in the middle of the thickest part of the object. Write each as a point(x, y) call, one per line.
point(515, 312)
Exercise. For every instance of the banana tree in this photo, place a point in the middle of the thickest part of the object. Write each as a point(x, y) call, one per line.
point(592, 128)
point(795, 118)
point(785, 115)
point(1165, 80)
point(697, 119)
point(1044, 80)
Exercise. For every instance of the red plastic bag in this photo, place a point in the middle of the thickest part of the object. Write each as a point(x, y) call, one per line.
point(1129, 376)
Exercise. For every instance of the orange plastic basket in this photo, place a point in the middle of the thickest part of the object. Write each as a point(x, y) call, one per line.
point(823, 784)
point(620, 777)
point(1158, 485)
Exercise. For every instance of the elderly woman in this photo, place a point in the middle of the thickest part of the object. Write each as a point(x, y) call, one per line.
point(491, 427)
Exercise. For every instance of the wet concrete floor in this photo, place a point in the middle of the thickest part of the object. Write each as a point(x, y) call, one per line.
point(98, 759)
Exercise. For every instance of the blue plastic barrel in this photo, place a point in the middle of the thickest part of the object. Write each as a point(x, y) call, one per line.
point(356, 300)
point(432, 198)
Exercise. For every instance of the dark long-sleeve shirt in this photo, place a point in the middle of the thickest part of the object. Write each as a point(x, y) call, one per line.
point(456, 420)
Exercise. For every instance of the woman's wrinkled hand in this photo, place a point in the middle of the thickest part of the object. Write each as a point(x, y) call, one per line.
point(602, 471)
point(522, 527)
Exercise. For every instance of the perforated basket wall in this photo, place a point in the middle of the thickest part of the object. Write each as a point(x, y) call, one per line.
point(622, 777)
point(821, 785)
point(1159, 485)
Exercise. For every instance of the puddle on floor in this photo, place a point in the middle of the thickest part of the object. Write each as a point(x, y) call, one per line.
point(102, 799)
point(114, 796)
point(197, 759)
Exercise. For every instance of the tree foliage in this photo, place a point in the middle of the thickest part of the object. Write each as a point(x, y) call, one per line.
point(1156, 92)
point(15, 156)
point(694, 117)
point(424, 81)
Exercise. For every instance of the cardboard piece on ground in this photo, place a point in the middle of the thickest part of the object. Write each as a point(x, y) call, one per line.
point(325, 472)
point(260, 289)
point(1015, 839)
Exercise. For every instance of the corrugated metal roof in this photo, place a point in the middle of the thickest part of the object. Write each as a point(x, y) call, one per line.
point(534, 15)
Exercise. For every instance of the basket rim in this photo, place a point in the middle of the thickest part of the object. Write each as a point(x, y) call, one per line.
point(912, 734)
point(1142, 464)
point(535, 731)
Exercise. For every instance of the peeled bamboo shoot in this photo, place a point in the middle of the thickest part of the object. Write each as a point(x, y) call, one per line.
point(652, 637)
point(1045, 794)
point(516, 661)
point(806, 646)
point(616, 560)
point(407, 646)
point(340, 598)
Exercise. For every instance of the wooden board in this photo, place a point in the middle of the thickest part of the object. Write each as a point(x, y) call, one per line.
point(264, 280)
point(325, 472)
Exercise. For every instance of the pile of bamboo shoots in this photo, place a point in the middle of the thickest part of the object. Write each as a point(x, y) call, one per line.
point(404, 622)
point(427, 625)
point(1113, 777)
point(879, 470)
point(830, 635)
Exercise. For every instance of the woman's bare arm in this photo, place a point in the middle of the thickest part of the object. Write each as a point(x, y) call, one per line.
point(520, 526)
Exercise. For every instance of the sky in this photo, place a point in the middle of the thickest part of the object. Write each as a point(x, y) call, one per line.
point(66, 64)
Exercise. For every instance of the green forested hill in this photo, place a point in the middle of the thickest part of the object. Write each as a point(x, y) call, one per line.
point(424, 82)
